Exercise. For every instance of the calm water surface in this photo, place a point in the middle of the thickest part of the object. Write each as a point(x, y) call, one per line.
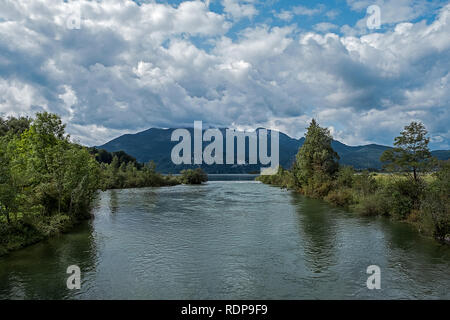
point(227, 240)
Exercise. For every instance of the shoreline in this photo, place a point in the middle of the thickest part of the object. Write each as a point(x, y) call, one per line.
point(414, 224)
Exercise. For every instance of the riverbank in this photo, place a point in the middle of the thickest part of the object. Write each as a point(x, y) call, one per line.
point(48, 182)
point(395, 196)
point(23, 233)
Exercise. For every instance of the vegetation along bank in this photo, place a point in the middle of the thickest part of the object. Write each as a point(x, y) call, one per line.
point(415, 189)
point(48, 183)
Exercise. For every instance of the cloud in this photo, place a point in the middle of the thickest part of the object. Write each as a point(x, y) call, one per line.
point(239, 9)
point(325, 26)
point(285, 15)
point(305, 11)
point(391, 12)
point(130, 67)
point(331, 14)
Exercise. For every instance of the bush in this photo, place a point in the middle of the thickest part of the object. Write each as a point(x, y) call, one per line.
point(345, 176)
point(318, 186)
point(372, 205)
point(403, 196)
point(283, 178)
point(364, 183)
point(436, 204)
point(197, 176)
point(340, 197)
point(436, 216)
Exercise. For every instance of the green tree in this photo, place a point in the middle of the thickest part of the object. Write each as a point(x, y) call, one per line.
point(8, 189)
point(436, 203)
point(196, 176)
point(316, 160)
point(14, 126)
point(81, 181)
point(410, 153)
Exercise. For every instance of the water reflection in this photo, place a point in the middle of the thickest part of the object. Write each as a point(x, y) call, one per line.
point(40, 271)
point(113, 201)
point(318, 231)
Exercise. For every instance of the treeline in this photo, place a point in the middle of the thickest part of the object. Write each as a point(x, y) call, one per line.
point(117, 175)
point(416, 190)
point(48, 183)
point(120, 170)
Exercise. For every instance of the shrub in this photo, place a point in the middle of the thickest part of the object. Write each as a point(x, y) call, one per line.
point(436, 204)
point(436, 215)
point(364, 183)
point(283, 178)
point(372, 205)
point(197, 176)
point(403, 196)
point(318, 186)
point(345, 176)
point(340, 197)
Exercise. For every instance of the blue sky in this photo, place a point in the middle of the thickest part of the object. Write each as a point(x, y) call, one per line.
point(120, 66)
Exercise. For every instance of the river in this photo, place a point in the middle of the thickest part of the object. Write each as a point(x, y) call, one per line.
point(227, 240)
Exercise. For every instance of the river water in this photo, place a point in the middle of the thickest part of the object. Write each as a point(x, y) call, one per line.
point(227, 240)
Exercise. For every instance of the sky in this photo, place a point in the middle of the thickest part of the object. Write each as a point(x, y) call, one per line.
point(119, 66)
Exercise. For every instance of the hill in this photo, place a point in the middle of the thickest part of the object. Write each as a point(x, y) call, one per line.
point(155, 145)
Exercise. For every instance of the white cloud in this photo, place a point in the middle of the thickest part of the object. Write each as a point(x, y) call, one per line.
point(284, 15)
point(131, 67)
point(305, 11)
point(239, 9)
point(391, 12)
point(325, 26)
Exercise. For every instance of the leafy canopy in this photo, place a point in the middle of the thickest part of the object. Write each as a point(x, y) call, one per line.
point(316, 156)
point(410, 153)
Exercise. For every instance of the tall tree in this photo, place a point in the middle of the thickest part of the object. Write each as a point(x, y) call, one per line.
point(316, 156)
point(14, 126)
point(8, 189)
point(410, 153)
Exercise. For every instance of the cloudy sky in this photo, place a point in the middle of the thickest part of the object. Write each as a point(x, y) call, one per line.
point(110, 67)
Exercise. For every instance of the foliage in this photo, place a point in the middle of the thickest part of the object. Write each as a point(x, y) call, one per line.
point(403, 196)
point(364, 184)
point(283, 178)
point(316, 160)
point(411, 153)
point(417, 198)
point(436, 203)
point(345, 177)
point(103, 156)
point(196, 176)
point(132, 175)
point(340, 197)
point(46, 182)
point(14, 126)
point(318, 185)
point(374, 204)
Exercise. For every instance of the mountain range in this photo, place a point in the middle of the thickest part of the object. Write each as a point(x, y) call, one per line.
point(155, 145)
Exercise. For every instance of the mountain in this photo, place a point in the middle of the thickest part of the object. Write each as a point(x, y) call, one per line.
point(155, 145)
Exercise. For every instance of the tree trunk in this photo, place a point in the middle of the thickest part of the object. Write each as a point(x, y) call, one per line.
point(415, 174)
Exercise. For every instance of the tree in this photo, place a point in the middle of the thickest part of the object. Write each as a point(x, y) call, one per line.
point(316, 159)
point(197, 176)
point(50, 127)
point(14, 126)
point(8, 189)
point(81, 181)
point(436, 203)
point(410, 153)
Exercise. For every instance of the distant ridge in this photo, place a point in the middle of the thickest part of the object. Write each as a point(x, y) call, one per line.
point(154, 145)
